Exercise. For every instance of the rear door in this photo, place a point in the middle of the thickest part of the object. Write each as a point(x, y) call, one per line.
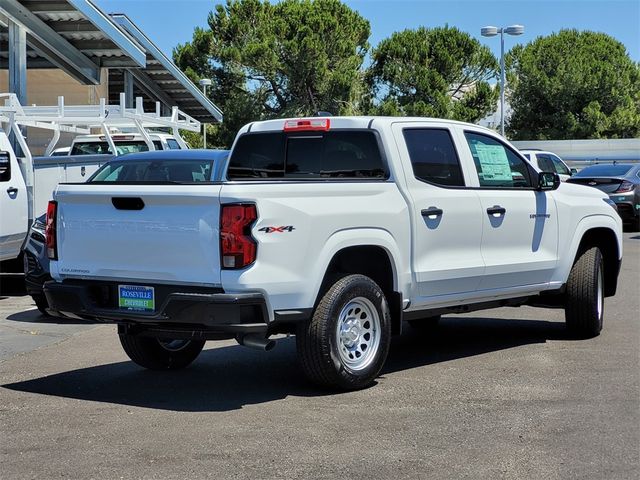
point(13, 203)
point(446, 216)
point(519, 224)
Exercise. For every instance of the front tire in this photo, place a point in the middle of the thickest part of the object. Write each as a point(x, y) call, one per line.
point(584, 308)
point(160, 354)
point(346, 342)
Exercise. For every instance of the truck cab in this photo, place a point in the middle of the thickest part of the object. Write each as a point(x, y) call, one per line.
point(124, 142)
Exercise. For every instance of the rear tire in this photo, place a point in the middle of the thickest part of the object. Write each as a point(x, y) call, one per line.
point(41, 303)
point(345, 343)
point(584, 308)
point(157, 354)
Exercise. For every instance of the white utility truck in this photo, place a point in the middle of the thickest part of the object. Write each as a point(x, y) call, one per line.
point(335, 230)
point(27, 182)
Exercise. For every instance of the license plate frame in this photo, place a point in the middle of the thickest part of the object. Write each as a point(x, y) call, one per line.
point(138, 298)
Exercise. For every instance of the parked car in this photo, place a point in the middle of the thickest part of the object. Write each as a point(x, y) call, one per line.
point(169, 166)
point(549, 162)
point(334, 230)
point(621, 181)
point(61, 152)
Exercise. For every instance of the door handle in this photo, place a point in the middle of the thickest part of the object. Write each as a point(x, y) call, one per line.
point(496, 210)
point(432, 212)
point(12, 190)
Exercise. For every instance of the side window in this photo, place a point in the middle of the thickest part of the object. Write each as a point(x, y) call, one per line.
point(497, 165)
point(544, 163)
point(433, 156)
point(173, 144)
point(5, 167)
point(559, 165)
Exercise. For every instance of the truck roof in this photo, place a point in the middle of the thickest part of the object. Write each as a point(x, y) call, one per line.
point(353, 122)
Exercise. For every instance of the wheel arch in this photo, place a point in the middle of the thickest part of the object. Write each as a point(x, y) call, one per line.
point(606, 235)
point(376, 259)
point(605, 239)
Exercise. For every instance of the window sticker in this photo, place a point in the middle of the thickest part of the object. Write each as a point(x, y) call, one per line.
point(494, 162)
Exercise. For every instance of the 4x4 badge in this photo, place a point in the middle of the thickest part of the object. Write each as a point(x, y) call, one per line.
point(288, 228)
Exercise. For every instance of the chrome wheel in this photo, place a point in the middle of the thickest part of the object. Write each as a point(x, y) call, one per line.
point(174, 345)
point(358, 333)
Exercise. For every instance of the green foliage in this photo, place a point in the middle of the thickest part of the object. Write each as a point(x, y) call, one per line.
point(303, 56)
point(440, 72)
point(292, 58)
point(572, 85)
point(228, 91)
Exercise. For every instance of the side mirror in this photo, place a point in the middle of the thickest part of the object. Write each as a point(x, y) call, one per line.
point(574, 171)
point(548, 181)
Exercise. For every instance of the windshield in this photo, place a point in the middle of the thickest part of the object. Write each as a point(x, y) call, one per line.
point(102, 148)
point(604, 171)
point(154, 171)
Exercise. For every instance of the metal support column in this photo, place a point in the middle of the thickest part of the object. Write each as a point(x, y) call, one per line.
point(128, 88)
point(17, 69)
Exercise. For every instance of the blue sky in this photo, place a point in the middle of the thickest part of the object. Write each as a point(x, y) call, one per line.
point(169, 22)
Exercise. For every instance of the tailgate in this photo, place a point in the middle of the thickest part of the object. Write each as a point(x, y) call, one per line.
point(149, 233)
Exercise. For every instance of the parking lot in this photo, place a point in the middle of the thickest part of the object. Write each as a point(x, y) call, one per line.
point(501, 393)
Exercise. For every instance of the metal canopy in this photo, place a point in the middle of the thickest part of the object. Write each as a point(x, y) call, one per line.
point(73, 35)
point(163, 80)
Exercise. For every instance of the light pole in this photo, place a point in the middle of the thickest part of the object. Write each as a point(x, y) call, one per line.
point(204, 83)
point(492, 32)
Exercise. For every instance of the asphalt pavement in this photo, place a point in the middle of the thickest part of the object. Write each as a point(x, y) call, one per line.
point(502, 393)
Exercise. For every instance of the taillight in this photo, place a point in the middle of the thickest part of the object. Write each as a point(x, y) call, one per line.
point(624, 187)
point(237, 246)
point(50, 230)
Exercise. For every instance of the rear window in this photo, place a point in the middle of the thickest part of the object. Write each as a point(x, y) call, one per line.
point(350, 154)
point(98, 148)
point(604, 171)
point(154, 171)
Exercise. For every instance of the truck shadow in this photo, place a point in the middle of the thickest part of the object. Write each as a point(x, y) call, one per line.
point(12, 285)
point(230, 377)
point(34, 316)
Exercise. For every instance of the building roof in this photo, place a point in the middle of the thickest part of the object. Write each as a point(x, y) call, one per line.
point(164, 78)
point(73, 35)
point(79, 38)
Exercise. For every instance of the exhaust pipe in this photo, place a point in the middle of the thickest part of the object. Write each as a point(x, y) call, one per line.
point(256, 341)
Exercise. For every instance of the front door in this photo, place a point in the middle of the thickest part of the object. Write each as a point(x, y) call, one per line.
point(519, 223)
point(13, 203)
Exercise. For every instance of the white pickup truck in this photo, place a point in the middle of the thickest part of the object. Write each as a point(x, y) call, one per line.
point(335, 230)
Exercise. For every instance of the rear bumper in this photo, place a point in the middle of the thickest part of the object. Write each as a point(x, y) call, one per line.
point(627, 211)
point(178, 308)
